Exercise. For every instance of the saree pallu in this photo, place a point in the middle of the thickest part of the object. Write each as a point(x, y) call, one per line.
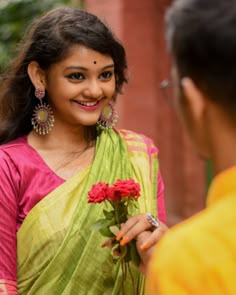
point(57, 251)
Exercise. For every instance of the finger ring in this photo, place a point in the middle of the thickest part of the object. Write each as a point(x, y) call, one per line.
point(152, 220)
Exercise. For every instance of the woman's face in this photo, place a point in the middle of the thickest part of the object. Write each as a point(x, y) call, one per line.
point(79, 86)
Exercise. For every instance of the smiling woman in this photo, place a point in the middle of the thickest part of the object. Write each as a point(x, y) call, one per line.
point(77, 89)
point(57, 140)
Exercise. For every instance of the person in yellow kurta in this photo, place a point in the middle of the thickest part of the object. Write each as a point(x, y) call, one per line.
point(198, 256)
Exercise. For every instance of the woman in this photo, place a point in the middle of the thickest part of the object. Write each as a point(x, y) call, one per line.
point(57, 135)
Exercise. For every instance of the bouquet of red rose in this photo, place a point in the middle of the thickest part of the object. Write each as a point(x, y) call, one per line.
point(122, 196)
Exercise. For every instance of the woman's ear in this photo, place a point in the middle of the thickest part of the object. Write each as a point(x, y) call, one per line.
point(37, 75)
point(196, 100)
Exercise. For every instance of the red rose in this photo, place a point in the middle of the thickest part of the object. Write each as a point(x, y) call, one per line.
point(113, 195)
point(98, 192)
point(126, 188)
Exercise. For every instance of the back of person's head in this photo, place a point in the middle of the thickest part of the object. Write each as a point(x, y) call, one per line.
point(50, 41)
point(201, 35)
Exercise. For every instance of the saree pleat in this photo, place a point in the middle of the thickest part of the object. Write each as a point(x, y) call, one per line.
point(57, 251)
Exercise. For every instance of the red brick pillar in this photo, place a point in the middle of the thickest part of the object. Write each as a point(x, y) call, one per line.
point(139, 25)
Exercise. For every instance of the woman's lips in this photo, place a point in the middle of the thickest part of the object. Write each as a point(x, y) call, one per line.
point(88, 105)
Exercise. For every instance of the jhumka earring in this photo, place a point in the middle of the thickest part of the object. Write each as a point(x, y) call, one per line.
point(42, 119)
point(108, 117)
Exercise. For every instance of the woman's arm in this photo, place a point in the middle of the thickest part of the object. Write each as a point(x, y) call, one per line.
point(8, 213)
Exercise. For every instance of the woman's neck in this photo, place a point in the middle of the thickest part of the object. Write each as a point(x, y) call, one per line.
point(67, 140)
point(65, 153)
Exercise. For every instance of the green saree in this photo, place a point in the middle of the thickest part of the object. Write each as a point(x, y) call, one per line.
point(57, 251)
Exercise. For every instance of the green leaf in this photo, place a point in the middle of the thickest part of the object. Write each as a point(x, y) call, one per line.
point(114, 229)
point(108, 214)
point(105, 231)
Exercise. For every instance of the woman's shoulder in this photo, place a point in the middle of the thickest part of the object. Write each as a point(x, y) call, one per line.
point(15, 149)
point(20, 141)
point(11, 156)
point(135, 139)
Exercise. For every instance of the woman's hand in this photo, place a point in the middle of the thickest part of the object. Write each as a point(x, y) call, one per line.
point(138, 227)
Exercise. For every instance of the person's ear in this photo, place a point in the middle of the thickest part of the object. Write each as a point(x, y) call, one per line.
point(37, 75)
point(195, 98)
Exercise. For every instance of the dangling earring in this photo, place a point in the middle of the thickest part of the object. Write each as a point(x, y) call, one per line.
point(42, 119)
point(108, 117)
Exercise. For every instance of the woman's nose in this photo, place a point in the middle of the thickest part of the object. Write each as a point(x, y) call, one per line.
point(93, 89)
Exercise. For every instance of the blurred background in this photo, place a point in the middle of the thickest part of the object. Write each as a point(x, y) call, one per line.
point(139, 24)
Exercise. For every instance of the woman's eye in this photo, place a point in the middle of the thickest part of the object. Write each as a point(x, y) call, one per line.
point(76, 76)
point(106, 75)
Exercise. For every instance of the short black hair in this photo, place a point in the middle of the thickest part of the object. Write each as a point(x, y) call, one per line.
point(201, 35)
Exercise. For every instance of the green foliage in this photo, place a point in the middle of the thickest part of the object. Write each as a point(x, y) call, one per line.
point(15, 17)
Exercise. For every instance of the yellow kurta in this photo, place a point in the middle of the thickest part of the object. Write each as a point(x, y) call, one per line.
point(198, 256)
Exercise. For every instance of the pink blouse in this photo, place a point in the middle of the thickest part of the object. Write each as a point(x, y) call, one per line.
point(25, 179)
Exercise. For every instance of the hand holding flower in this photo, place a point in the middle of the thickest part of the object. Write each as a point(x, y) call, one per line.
point(138, 228)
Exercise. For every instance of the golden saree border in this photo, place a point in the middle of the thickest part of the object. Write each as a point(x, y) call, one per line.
point(57, 251)
point(144, 161)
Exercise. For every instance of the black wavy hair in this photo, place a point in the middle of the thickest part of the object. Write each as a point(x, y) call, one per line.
point(49, 42)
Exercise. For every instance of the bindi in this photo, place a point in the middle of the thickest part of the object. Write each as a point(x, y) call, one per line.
point(95, 62)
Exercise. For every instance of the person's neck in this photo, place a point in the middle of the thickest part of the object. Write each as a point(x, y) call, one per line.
point(223, 146)
point(64, 139)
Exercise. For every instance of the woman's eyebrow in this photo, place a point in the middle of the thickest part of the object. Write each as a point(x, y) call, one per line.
point(76, 68)
point(85, 69)
point(108, 66)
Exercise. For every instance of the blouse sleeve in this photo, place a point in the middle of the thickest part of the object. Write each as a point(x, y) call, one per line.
point(160, 198)
point(9, 183)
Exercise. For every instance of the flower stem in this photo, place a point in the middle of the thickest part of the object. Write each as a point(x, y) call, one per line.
point(132, 279)
point(117, 218)
point(123, 268)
